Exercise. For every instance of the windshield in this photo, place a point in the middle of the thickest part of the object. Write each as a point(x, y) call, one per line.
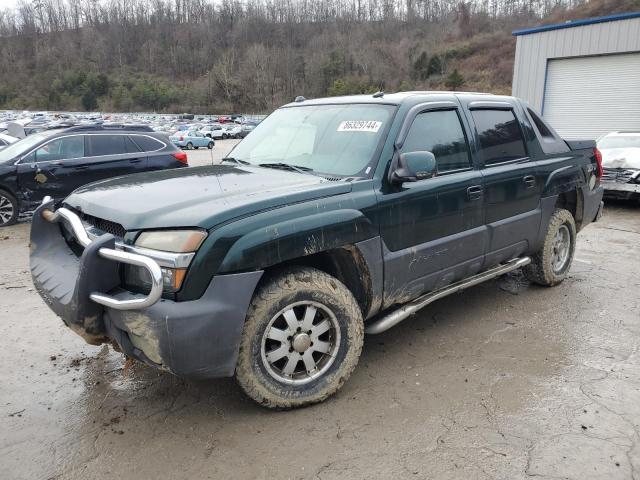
point(21, 147)
point(330, 139)
point(620, 141)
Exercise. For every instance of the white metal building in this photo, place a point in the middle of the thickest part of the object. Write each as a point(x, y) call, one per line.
point(583, 76)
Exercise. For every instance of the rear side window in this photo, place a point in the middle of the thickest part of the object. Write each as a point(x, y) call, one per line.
point(100, 145)
point(147, 144)
point(439, 132)
point(500, 136)
point(550, 141)
point(61, 149)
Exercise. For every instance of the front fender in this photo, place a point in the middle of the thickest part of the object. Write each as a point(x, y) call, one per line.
point(296, 238)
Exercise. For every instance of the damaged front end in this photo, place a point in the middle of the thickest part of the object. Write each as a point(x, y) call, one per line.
point(66, 279)
point(80, 279)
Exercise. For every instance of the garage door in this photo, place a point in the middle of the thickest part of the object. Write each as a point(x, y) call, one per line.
point(589, 96)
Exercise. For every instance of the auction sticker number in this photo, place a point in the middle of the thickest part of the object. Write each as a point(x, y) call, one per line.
point(359, 126)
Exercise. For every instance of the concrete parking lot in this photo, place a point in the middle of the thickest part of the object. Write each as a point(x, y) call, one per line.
point(506, 380)
point(204, 156)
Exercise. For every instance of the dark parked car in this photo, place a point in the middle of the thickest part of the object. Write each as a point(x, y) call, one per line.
point(56, 162)
point(335, 217)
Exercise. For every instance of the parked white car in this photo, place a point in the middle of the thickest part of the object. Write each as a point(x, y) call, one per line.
point(214, 131)
point(7, 140)
point(231, 130)
point(621, 164)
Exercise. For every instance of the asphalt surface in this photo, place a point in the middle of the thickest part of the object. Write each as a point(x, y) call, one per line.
point(505, 380)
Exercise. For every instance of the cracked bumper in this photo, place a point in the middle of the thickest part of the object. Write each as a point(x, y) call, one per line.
point(198, 338)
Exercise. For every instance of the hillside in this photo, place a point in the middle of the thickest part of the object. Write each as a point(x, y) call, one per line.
point(198, 56)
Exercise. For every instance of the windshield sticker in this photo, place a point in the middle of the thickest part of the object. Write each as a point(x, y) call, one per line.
point(359, 126)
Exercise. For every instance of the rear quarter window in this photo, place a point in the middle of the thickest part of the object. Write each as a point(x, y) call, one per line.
point(147, 144)
point(550, 141)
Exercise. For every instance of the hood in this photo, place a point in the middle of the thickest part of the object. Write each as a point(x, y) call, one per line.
point(197, 197)
point(621, 157)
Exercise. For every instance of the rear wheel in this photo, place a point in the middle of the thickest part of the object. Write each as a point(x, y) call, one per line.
point(8, 209)
point(302, 339)
point(210, 145)
point(550, 265)
point(189, 146)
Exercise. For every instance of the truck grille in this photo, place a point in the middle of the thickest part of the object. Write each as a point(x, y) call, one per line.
point(618, 175)
point(103, 225)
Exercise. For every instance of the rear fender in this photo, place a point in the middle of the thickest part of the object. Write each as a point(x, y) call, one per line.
point(564, 179)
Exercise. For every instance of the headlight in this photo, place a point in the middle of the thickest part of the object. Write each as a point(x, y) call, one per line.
point(175, 241)
point(178, 241)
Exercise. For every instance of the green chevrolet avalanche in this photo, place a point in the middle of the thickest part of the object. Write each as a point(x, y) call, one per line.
point(334, 218)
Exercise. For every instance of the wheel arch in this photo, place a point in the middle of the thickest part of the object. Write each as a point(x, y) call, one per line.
point(352, 264)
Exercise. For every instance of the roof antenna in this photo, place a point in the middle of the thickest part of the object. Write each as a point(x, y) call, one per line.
point(378, 95)
point(299, 99)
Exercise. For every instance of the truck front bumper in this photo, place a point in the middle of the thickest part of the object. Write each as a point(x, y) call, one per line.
point(80, 282)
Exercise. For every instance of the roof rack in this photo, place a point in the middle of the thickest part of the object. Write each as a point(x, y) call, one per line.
point(110, 127)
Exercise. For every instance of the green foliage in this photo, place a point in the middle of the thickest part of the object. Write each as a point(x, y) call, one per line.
point(350, 86)
point(154, 94)
point(333, 67)
point(454, 80)
point(435, 66)
point(421, 67)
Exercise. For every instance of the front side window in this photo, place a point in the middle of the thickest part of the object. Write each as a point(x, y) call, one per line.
point(329, 139)
point(439, 132)
point(61, 149)
point(499, 135)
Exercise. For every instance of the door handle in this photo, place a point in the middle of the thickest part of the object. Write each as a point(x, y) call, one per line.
point(529, 181)
point(135, 160)
point(474, 192)
point(81, 167)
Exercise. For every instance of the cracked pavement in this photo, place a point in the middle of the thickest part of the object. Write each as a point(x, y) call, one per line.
point(503, 381)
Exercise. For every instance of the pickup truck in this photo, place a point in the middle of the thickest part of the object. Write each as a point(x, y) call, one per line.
point(336, 217)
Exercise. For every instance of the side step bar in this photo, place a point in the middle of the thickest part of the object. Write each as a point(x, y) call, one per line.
point(391, 319)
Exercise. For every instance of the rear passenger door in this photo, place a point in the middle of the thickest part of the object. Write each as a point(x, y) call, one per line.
point(433, 229)
point(510, 187)
point(158, 158)
point(112, 155)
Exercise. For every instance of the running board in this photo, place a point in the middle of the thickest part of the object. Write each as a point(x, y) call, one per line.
point(393, 318)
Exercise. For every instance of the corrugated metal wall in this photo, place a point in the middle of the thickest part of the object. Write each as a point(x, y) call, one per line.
point(534, 50)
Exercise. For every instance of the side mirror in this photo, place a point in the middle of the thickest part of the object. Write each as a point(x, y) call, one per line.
point(412, 167)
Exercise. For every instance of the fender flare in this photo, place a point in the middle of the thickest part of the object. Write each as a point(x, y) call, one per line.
point(295, 238)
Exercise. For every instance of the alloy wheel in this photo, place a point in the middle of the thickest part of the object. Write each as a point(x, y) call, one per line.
point(6, 210)
point(300, 343)
point(561, 249)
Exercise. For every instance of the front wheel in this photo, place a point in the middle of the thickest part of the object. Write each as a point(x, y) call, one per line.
point(8, 209)
point(189, 146)
point(302, 339)
point(210, 145)
point(550, 265)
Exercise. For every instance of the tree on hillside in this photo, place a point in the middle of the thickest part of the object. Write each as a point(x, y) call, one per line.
point(454, 80)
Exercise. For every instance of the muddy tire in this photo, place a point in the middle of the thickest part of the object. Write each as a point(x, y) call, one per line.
point(301, 340)
point(8, 209)
point(550, 265)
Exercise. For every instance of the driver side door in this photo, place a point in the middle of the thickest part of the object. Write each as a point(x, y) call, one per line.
point(433, 230)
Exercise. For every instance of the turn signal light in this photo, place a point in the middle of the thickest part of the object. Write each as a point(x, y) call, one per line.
point(181, 157)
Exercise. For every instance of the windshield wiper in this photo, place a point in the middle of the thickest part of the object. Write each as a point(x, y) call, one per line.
point(288, 166)
point(236, 160)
